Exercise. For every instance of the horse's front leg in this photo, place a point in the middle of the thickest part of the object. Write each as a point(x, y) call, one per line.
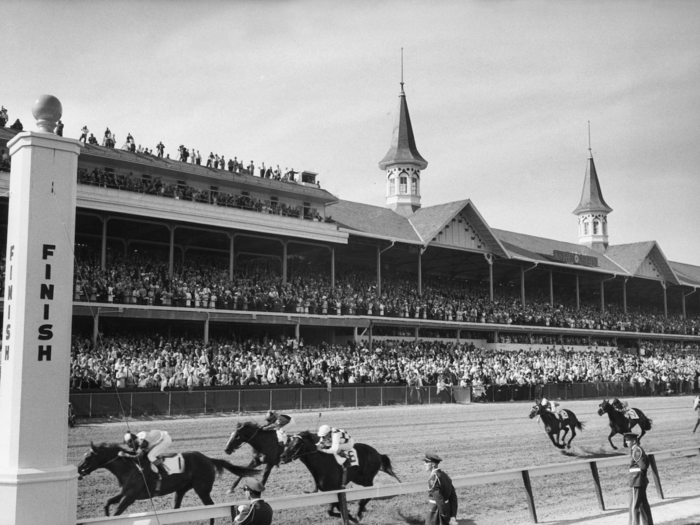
point(111, 501)
point(126, 500)
point(643, 432)
point(551, 436)
point(612, 433)
point(254, 463)
point(331, 510)
point(266, 474)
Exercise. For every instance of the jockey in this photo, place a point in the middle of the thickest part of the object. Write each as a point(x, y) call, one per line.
point(279, 422)
point(621, 406)
point(150, 444)
point(550, 406)
point(696, 406)
point(335, 441)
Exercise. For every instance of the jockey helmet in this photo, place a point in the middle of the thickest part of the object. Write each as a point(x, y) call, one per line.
point(324, 430)
point(270, 416)
point(544, 401)
point(130, 438)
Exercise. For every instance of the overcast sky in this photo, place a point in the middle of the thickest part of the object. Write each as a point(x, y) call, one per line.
point(499, 93)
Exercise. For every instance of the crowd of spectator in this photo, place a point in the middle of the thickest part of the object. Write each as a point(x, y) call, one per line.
point(203, 282)
point(183, 191)
point(124, 361)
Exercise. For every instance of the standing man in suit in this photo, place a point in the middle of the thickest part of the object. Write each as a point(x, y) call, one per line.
point(441, 494)
point(640, 512)
point(258, 512)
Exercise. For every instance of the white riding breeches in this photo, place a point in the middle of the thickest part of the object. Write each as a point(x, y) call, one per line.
point(159, 447)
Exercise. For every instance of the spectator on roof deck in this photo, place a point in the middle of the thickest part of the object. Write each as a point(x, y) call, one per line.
point(59, 128)
point(3, 117)
point(160, 149)
point(262, 171)
point(17, 125)
point(84, 134)
point(199, 159)
point(251, 168)
point(92, 139)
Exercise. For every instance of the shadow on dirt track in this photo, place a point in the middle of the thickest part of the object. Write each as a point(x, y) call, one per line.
point(591, 453)
point(412, 520)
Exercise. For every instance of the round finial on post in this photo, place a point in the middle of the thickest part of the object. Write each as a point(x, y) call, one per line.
point(47, 111)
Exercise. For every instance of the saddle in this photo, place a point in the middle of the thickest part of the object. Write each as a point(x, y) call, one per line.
point(174, 463)
point(631, 414)
point(563, 415)
point(344, 455)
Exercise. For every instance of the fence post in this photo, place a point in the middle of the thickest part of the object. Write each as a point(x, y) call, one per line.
point(530, 498)
point(406, 403)
point(329, 399)
point(301, 398)
point(596, 485)
point(205, 401)
point(170, 395)
point(428, 394)
point(131, 404)
point(239, 401)
point(90, 409)
point(655, 475)
point(381, 396)
point(271, 398)
point(355, 397)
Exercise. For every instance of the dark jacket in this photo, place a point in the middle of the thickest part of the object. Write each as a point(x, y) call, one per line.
point(259, 512)
point(443, 498)
point(638, 467)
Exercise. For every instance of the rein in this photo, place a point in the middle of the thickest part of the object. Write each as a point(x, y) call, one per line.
point(103, 465)
point(247, 441)
point(297, 456)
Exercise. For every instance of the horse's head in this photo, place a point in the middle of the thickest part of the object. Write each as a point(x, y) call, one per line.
point(297, 446)
point(97, 457)
point(535, 411)
point(243, 434)
point(604, 407)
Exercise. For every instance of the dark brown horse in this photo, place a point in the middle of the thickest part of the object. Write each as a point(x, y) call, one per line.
point(199, 474)
point(621, 424)
point(553, 425)
point(328, 475)
point(264, 443)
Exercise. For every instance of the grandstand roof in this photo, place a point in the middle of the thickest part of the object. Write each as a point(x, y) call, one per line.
point(631, 257)
point(403, 148)
point(541, 249)
point(373, 220)
point(592, 196)
point(686, 273)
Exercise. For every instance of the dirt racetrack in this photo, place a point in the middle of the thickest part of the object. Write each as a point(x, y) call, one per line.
point(470, 439)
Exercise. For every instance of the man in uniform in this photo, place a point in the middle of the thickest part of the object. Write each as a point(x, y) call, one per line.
point(150, 444)
point(258, 512)
point(441, 494)
point(280, 423)
point(696, 406)
point(640, 512)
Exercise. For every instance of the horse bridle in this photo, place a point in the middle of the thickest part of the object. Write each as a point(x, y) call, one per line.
point(100, 466)
point(297, 456)
point(247, 441)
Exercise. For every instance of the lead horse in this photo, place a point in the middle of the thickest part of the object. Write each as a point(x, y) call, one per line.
point(328, 475)
point(264, 443)
point(199, 474)
point(553, 425)
point(621, 424)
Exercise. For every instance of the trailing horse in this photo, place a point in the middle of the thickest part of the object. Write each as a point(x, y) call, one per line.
point(621, 424)
point(264, 443)
point(328, 475)
point(199, 474)
point(553, 425)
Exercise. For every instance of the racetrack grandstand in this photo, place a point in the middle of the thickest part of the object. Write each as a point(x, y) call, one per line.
point(169, 245)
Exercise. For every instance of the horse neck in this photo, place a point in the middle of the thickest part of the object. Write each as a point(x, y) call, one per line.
point(261, 440)
point(120, 467)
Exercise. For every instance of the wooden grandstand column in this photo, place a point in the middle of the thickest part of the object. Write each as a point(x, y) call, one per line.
point(602, 296)
point(663, 285)
point(551, 289)
point(578, 295)
point(332, 268)
point(284, 262)
point(420, 272)
point(206, 329)
point(171, 262)
point(522, 286)
point(95, 326)
point(379, 270)
point(103, 252)
point(231, 257)
point(624, 295)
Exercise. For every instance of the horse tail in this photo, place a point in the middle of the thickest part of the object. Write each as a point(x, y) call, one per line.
point(579, 424)
point(650, 422)
point(241, 472)
point(387, 468)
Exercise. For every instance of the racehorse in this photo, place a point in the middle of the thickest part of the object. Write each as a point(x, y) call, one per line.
point(199, 474)
point(553, 425)
point(264, 443)
point(328, 475)
point(621, 424)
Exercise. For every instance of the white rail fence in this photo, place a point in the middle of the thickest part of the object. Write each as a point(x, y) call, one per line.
point(223, 510)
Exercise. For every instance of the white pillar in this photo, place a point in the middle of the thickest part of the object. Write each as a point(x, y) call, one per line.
point(37, 485)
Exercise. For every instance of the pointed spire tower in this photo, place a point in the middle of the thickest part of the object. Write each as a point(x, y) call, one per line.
point(592, 211)
point(403, 163)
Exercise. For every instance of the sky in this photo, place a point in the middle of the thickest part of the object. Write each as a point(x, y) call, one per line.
point(500, 94)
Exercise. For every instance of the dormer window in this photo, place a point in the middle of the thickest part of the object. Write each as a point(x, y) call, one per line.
point(595, 227)
point(392, 186)
point(414, 186)
point(585, 228)
point(403, 187)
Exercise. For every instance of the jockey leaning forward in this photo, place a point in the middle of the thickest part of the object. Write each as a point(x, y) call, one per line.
point(335, 441)
point(622, 407)
point(149, 444)
point(280, 423)
point(696, 406)
point(550, 406)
